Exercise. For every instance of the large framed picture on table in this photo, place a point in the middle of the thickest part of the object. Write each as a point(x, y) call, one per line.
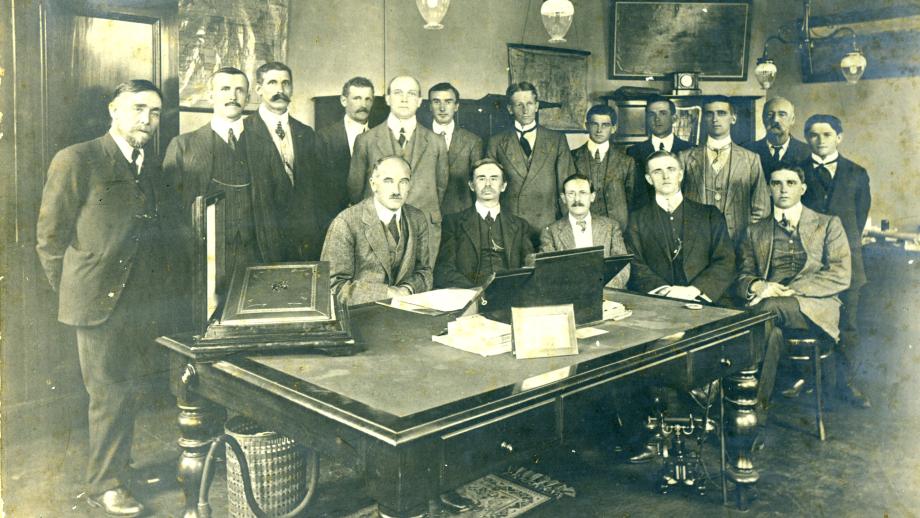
point(653, 38)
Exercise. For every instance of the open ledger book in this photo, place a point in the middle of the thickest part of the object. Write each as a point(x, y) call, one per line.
point(477, 334)
point(435, 301)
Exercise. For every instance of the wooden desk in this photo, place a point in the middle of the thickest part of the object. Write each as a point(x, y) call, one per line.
point(425, 418)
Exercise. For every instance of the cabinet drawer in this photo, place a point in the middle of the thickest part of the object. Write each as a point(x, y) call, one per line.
point(479, 447)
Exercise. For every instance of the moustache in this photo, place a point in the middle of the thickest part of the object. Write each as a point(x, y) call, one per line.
point(395, 197)
point(363, 110)
point(233, 103)
point(578, 204)
point(281, 96)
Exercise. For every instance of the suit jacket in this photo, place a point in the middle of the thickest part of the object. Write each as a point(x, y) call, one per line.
point(533, 192)
point(428, 162)
point(644, 193)
point(747, 200)
point(614, 197)
point(708, 253)
point(604, 231)
point(302, 215)
point(825, 274)
point(797, 154)
point(334, 158)
point(465, 149)
point(849, 199)
point(358, 255)
point(94, 219)
point(461, 250)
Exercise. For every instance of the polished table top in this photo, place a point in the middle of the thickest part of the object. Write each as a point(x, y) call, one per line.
point(404, 380)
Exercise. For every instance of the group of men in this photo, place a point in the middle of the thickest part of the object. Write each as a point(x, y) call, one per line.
point(401, 208)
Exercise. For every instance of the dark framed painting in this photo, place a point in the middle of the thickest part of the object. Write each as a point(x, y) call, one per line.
point(227, 33)
point(888, 36)
point(561, 78)
point(654, 38)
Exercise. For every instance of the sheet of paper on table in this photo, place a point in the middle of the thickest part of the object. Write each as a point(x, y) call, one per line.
point(477, 334)
point(443, 300)
point(588, 332)
point(615, 311)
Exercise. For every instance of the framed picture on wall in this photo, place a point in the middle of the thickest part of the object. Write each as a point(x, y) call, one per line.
point(653, 38)
point(229, 33)
point(561, 78)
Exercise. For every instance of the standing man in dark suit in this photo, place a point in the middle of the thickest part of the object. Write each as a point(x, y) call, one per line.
point(212, 159)
point(659, 120)
point(482, 239)
point(581, 228)
point(681, 248)
point(464, 148)
point(98, 242)
point(378, 248)
point(779, 147)
point(840, 187)
point(537, 160)
point(724, 174)
point(792, 265)
point(336, 142)
point(611, 171)
point(401, 135)
point(282, 151)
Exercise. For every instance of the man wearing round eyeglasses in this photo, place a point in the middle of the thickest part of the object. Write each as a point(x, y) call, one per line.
point(580, 228)
point(482, 239)
point(401, 135)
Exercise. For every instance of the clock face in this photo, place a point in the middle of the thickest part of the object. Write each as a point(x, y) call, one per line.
point(685, 80)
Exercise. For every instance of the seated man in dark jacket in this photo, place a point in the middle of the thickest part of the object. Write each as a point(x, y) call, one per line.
point(483, 239)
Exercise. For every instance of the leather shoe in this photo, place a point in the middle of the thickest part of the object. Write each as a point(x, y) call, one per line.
point(457, 503)
point(855, 396)
point(794, 391)
point(649, 453)
point(117, 502)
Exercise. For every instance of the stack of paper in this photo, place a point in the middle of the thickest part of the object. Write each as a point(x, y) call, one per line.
point(615, 311)
point(444, 300)
point(477, 334)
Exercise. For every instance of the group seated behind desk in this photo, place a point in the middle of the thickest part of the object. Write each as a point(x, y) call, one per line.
point(424, 418)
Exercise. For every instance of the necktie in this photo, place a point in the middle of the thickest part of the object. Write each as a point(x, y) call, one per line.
point(582, 225)
point(525, 144)
point(597, 155)
point(489, 219)
point(394, 229)
point(135, 154)
point(280, 131)
point(446, 140)
point(402, 138)
point(661, 146)
point(231, 138)
point(824, 172)
point(776, 150)
point(785, 223)
point(717, 162)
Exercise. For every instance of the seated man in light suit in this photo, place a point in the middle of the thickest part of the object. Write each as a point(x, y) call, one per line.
point(482, 239)
point(793, 265)
point(378, 248)
point(582, 229)
point(681, 248)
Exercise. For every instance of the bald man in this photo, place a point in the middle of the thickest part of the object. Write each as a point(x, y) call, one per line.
point(401, 135)
point(779, 147)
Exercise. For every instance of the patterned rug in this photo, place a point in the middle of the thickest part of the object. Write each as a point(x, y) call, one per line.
point(498, 497)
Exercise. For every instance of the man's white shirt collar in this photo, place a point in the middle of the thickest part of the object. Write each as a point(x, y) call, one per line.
point(439, 128)
point(353, 128)
point(395, 124)
point(222, 126)
point(669, 203)
point(127, 149)
point(830, 158)
point(593, 146)
point(714, 143)
point(271, 118)
point(574, 221)
point(519, 128)
point(667, 141)
point(385, 214)
point(793, 214)
point(485, 211)
point(782, 147)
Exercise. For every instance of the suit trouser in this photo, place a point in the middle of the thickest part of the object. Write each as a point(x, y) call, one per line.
point(788, 315)
point(847, 362)
point(115, 359)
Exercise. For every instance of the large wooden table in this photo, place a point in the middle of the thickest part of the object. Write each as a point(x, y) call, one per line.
point(425, 418)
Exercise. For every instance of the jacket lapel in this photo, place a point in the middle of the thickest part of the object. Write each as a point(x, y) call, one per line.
point(736, 161)
point(693, 227)
point(565, 234)
point(384, 141)
point(508, 236)
point(762, 236)
point(470, 226)
point(408, 260)
point(600, 233)
point(373, 232)
point(695, 164)
point(515, 154)
point(812, 240)
point(541, 151)
point(419, 146)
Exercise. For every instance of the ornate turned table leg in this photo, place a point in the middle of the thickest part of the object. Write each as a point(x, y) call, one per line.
point(741, 424)
point(195, 434)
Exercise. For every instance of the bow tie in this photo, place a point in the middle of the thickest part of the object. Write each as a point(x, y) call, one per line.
point(820, 164)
